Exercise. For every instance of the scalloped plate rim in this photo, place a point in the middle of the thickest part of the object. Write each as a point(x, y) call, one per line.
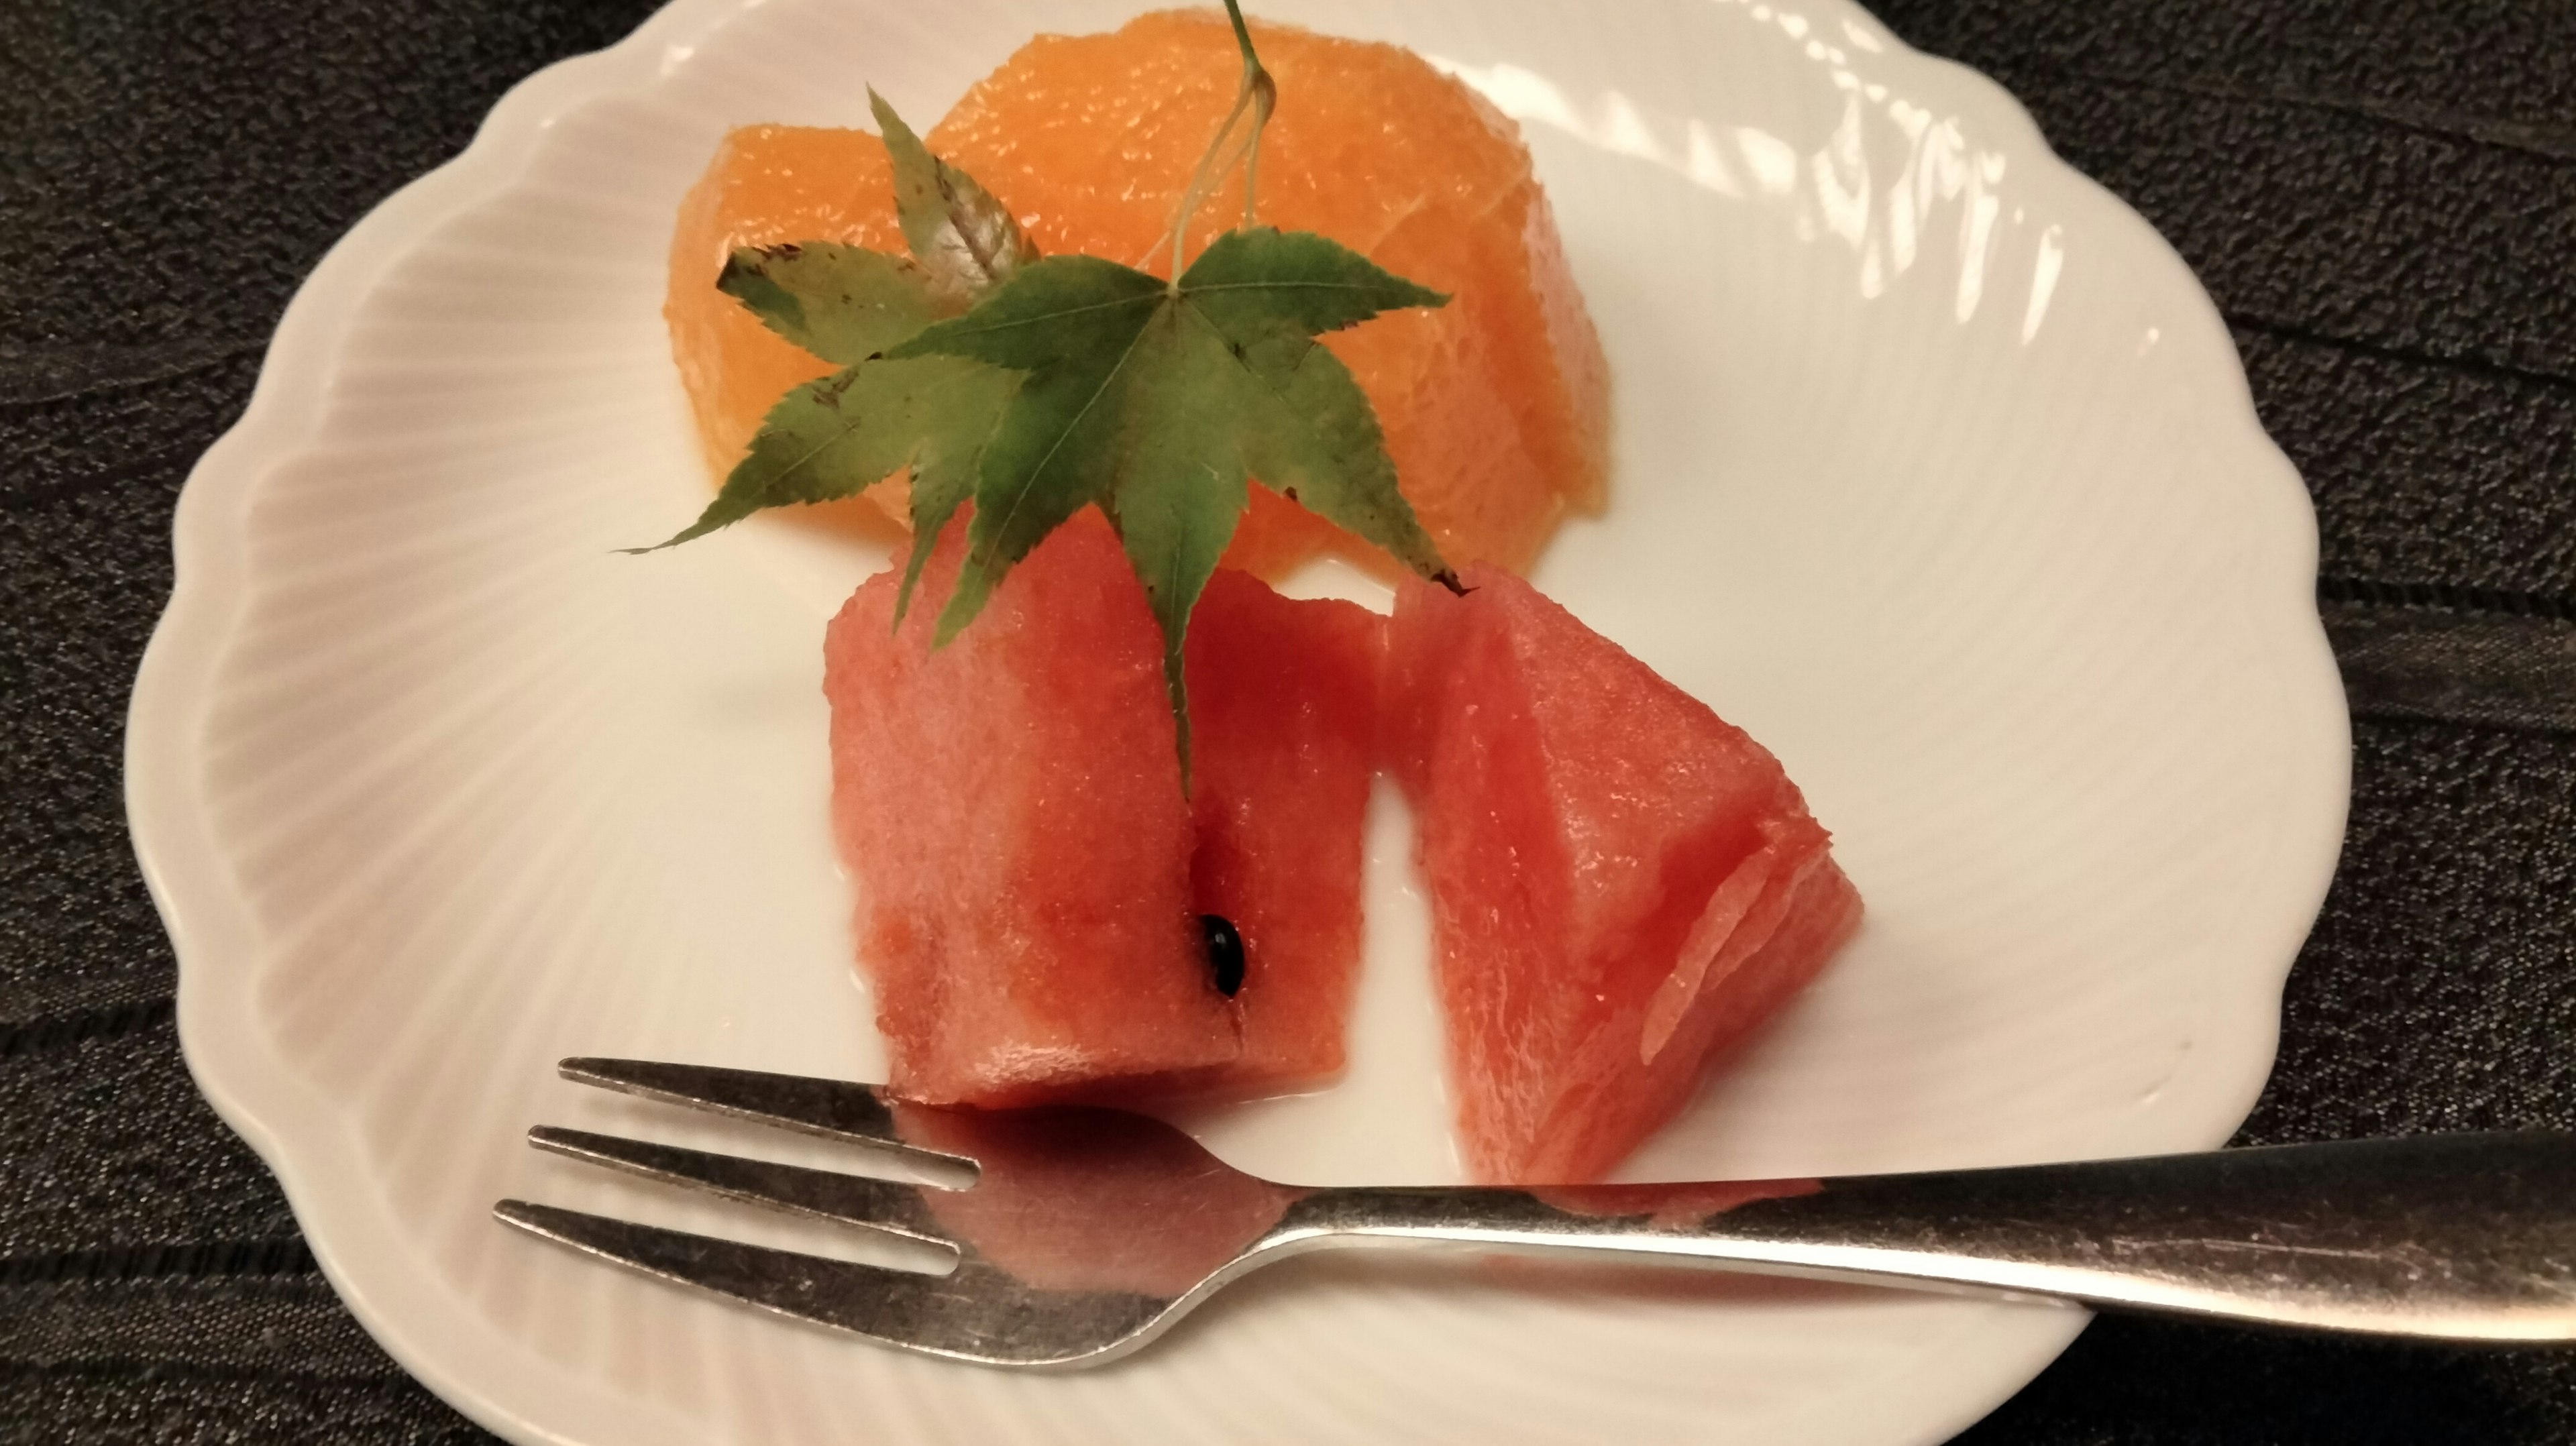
point(184, 868)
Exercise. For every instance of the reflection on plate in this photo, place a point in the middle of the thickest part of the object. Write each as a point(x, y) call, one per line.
point(1935, 470)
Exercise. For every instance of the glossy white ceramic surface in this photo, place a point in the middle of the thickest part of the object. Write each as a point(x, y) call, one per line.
point(1935, 469)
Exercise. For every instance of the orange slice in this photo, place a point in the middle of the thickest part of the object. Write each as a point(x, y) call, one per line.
point(768, 185)
point(1495, 407)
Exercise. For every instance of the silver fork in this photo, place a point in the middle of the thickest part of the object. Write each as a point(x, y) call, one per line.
point(1080, 1234)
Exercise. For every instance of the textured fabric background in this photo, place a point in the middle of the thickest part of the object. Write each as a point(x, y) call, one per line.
point(2381, 195)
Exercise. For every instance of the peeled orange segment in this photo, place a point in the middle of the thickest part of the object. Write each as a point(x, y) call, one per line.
point(1623, 885)
point(767, 186)
point(1494, 407)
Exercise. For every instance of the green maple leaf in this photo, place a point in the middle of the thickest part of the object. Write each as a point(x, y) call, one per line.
point(1073, 381)
point(842, 303)
point(839, 435)
point(961, 235)
point(842, 434)
point(1159, 400)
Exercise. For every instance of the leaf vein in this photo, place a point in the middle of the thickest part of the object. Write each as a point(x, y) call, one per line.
point(1107, 380)
point(1202, 287)
point(959, 328)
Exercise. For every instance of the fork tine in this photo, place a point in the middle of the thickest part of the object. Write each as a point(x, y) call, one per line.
point(884, 1205)
point(835, 1109)
point(961, 1319)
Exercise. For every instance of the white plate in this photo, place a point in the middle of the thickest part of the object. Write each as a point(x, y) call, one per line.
point(1935, 469)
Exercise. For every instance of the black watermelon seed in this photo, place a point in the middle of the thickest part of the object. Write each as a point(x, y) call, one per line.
point(1224, 952)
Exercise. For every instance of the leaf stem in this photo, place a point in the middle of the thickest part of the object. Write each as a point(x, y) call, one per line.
point(1265, 99)
point(1257, 93)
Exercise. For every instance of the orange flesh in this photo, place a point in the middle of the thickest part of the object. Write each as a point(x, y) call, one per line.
point(1494, 407)
point(767, 186)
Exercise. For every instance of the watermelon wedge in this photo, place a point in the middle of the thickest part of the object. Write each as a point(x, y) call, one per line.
point(1623, 885)
point(1283, 718)
point(1031, 880)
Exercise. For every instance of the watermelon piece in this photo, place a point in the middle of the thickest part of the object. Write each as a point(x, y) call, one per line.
point(1283, 723)
point(1010, 808)
point(1623, 885)
point(1031, 878)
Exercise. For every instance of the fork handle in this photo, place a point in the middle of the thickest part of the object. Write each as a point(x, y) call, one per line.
point(2454, 1237)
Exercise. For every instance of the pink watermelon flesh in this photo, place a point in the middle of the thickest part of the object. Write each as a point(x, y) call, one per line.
point(1011, 808)
point(1623, 885)
point(1283, 720)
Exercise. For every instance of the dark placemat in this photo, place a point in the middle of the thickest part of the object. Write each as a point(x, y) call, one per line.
point(2381, 196)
